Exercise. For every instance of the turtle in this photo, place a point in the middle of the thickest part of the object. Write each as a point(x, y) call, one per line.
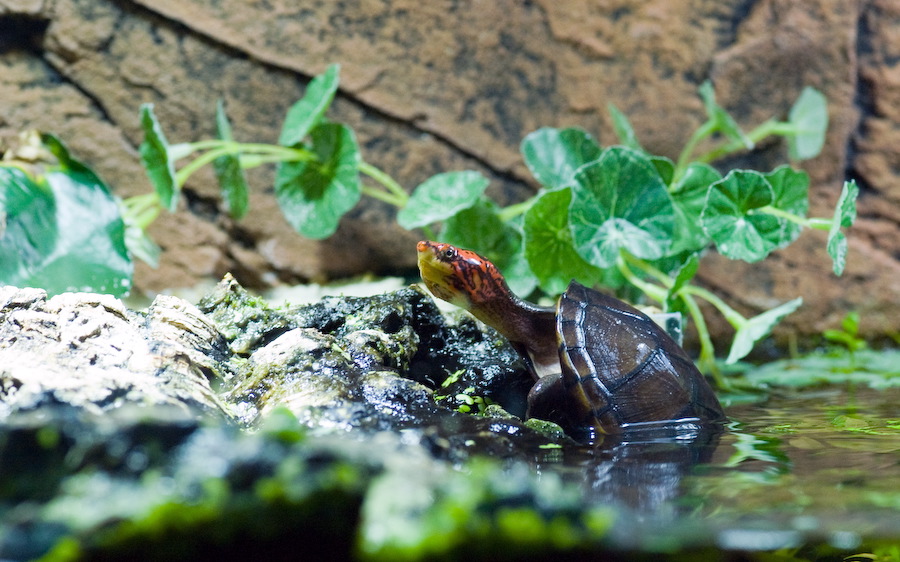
point(600, 366)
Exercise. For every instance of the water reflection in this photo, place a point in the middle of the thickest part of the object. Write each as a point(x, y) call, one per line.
point(804, 467)
point(645, 473)
point(641, 471)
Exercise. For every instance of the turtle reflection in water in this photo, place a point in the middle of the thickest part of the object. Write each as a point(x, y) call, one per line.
point(600, 366)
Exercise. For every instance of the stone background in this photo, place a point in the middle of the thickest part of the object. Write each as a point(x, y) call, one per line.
point(446, 85)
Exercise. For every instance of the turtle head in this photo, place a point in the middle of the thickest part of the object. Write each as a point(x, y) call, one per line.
point(467, 280)
point(460, 277)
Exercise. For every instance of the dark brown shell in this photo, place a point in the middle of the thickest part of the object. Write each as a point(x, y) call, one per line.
point(621, 369)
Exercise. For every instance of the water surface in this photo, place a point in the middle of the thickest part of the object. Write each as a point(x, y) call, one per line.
point(804, 467)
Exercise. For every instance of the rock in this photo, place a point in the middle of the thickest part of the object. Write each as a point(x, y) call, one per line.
point(235, 423)
point(89, 351)
point(386, 362)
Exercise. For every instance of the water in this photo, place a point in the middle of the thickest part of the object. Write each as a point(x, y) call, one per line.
point(815, 467)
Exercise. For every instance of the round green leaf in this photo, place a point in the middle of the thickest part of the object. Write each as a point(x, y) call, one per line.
point(548, 244)
point(440, 197)
point(315, 195)
point(620, 203)
point(731, 220)
point(689, 199)
point(790, 190)
point(809, 116)
point(28, 210)
point(553, 155)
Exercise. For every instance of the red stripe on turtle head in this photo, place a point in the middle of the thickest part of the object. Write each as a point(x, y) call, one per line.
point(461, 275)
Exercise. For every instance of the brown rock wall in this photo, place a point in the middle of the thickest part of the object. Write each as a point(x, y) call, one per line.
point(454, 85)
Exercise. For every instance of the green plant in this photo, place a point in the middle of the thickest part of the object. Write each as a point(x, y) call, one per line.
point(848, 335)
point(60, 228)
point(847, 360)
point(616, 216)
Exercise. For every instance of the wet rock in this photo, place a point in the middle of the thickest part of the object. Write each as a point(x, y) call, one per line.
point(118, 434)
point(385, 362)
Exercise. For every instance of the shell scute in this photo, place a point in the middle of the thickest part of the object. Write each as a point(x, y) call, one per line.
point(619, 361)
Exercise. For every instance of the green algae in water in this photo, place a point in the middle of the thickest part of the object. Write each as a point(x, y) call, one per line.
point(819, 466)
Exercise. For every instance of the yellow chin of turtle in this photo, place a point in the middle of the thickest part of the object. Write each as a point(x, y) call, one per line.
point(436, 275)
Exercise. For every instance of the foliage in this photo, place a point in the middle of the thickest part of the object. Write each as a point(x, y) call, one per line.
point(845, 359)
point(875, 369)
point(60, 227)
point(616, 215)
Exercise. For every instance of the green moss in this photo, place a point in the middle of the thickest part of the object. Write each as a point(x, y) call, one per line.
point(549, 429)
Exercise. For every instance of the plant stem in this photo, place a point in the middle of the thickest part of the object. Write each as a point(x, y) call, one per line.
point(656, 293)
point(141, 210)
point(663, 279)
point(819, 223)
point(220, 148)
point(707, 358)
point(684, 158)
point(388, 198)
point(510, 212)
point(400, 196)
point(731, 315)
point(770, 127)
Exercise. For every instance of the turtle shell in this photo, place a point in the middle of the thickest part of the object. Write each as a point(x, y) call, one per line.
point(623, 370)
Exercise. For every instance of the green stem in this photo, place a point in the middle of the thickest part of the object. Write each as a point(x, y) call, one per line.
point(141, 210)
point(249, 161)
point(684, 158)
point(765, 129)
point(510, 212)
point(220, 148)
point(782, 214)
point(188, 169)
point(663, 279)
point(183, 150)
point(388, 198)
point(656, 293)
point(399, 194)
point(707, 358)
point(817, 223)
point(731, 315)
